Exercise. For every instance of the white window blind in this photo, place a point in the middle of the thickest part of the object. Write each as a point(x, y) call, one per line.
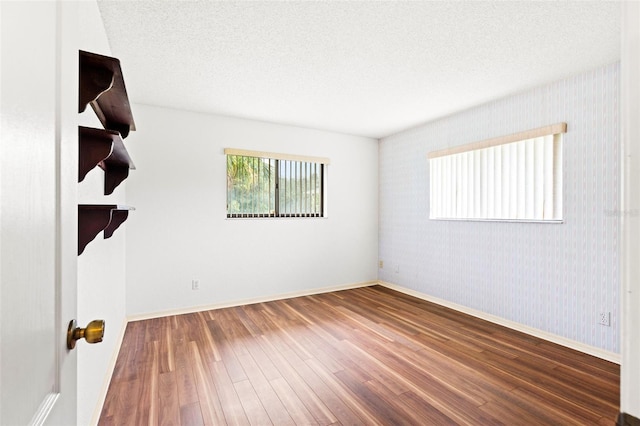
point(515, 177)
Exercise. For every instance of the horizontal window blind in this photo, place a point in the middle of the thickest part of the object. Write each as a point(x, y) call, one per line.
point(506, 178)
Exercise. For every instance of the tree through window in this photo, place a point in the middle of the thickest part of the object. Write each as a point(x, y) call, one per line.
point(272, 185)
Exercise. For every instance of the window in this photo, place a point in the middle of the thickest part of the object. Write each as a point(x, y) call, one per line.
point(263, 184)
point(516, 177)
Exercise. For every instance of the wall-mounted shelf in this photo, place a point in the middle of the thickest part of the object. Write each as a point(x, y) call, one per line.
point(94, 218)
point(102, 86)
point(104, 148)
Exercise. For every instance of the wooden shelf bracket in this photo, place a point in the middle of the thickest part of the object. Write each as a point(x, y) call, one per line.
point(94, 218)
point(102, 86)
point(106, 149)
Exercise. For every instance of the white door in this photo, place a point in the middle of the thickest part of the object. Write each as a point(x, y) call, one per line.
point(38, 212)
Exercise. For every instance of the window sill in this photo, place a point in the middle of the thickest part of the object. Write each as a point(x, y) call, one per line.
point(276, 218)
point(549, 221)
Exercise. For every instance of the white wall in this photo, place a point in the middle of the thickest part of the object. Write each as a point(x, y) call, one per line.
point(180, 232)
point(101, 267)
point(554, 278)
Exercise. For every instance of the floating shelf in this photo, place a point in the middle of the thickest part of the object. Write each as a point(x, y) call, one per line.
point(94, 218)
point(102, 86)
point(104, 148)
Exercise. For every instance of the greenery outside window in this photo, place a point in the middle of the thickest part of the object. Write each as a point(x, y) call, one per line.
point(274, 185)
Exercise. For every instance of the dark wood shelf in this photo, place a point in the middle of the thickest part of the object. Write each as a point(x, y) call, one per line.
point(102, 86)
point(94, 218)
point(104, 148)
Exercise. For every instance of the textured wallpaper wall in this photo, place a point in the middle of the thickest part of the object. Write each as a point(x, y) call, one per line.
point(553, 277)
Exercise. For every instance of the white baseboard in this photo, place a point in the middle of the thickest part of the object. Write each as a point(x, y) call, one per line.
point(200, 308)
point(107, 378)
point(563, 341)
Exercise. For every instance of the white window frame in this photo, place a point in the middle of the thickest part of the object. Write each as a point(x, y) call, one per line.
point(510, 178)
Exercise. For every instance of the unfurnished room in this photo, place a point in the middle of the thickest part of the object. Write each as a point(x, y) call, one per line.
point(320, 213)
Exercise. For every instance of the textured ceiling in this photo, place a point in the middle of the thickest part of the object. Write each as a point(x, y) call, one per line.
point(363, 68)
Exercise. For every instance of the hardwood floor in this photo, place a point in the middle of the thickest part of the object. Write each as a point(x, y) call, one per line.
point(364, 356)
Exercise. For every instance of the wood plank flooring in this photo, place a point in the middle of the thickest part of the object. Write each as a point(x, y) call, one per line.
point(366, 356)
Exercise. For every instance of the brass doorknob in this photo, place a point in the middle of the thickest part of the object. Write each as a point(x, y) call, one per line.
point(93, 333)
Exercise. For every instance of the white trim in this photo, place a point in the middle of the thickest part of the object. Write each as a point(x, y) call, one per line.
point(231, 304)
point(629, 204)
point(554, 338)
point(455, 219)
point(108, 375)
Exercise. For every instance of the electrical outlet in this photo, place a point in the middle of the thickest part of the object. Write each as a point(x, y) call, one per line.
point(380, 264)
point(195, 284)
point(397, 270)
point(604, 318)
